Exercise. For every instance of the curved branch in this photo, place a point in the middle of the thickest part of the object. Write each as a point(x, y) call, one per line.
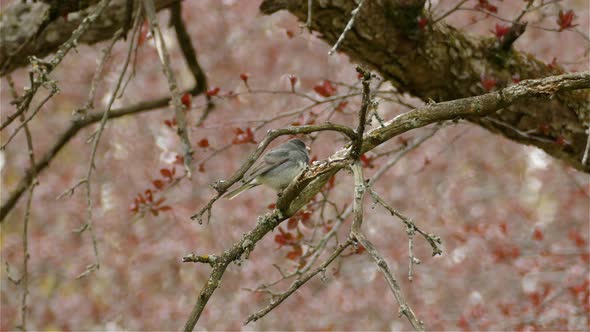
point(20, 22)
point(442, 63)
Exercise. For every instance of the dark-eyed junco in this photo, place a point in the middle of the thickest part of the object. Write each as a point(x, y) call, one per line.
point(278, 167)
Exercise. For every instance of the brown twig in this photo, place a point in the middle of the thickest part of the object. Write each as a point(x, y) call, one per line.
point(432, 239)
point(356, 234)
point(150, 11)
point(279, 298)
point(25, 275)
point(347, 28)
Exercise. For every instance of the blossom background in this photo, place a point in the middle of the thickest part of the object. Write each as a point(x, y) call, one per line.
point(514, 222)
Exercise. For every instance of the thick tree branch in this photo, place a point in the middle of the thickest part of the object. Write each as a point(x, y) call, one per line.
point(442, 63)
point(20, 21)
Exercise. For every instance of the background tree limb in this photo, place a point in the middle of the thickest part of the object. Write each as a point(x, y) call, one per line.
point(441, 63)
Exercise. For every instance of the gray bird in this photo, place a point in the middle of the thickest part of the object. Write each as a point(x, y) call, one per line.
point(277, 169)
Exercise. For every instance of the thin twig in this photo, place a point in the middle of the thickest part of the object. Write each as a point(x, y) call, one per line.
point(25, 275)
point(347, 28)
point(106, 53)
point(356, 233)
point(279, 298)
point(432, 239)
point(181, 130)
point(587, 149)
point(43, 69)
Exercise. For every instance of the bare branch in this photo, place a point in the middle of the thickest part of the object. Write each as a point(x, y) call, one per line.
point(150, 10)
point(356, 233)
point(279, 298)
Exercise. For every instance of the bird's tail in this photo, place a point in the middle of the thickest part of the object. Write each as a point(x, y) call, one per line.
point(241, 189)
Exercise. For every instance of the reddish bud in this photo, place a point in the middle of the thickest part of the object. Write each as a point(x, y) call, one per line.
point(158, 184)
point(143, 33)
point(166, 172)
point(201, 168)
point(538, 234)
point(565, 20)
point(295, 253)
point(290, 33)
point(577, 238)
point(293, 81)
point(366, 161)
point(204, 143)
point(501, 30)
point(243, 137)
point(325, 89)
point(341, 106)
point(292, 223)
point(486, 6)
point(213, 92)
point(422, 22)
point(179, 159)
point(488, 83)
point(244, 77)
point(504, 228)
point(186, 100)
point(561, 141)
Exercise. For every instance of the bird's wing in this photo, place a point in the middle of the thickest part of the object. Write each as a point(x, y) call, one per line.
point(271, 160)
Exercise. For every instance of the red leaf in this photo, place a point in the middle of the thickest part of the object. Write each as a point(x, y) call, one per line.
point(186, 100)
point(295, 253)
point(341, 106)
point(271, 206)
point(486, 6)
point(283, 238)
point(166, 172)
point(501, 30)
point(325, 89)
point(366, 161)
point(292, 223)
point(565, 20)
point(159, 184)
point(204, 143)
point(243, 137)
point(212, 92)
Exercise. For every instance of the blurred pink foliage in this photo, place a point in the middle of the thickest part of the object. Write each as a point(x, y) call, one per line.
point(513, 221)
